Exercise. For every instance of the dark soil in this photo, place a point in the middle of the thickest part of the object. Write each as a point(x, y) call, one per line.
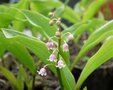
point(50, 82)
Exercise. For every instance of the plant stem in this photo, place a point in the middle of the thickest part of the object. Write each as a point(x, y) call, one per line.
point(58, 57)
point(33, 83)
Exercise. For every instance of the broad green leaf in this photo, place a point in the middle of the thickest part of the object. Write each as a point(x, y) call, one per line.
point(19, 51)
point(44, 6)
point(2, 45)
point(22, 54)
point(73, 27)
point(2, 8)
point(10, 76)
point(93, 9)
point(59, 11)
point(88, 26)
point(79, 28)
point(35, 45)
point(68, 13)
point(22, 5)
point(5, 19)
point(103, 55)
point(67, 79)
point(95, 38)
point(38, 20)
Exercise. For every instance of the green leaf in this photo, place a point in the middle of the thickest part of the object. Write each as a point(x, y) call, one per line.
point(22, 5)
point(5, 19)
point(68, 13)
point(35, 45)
point(59, 11)
point(9, 75)
point(2, 45)
point(19, 51)
point(95, 38)
point(87, 26)
point(22, 54)
point(67, 79)
point(93, 9)
point(103, 55)
point(38, 20)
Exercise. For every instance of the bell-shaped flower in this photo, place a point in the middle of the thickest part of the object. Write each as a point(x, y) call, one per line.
point(42, 72)
point(50, 45)
point(70, 37)
point(60, 64)
point(65, 47)
point(52, 58)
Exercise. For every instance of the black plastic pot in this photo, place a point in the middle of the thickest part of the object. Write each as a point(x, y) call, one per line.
point(100, 79)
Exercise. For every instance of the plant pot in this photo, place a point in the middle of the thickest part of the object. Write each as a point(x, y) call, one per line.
point(100, 79)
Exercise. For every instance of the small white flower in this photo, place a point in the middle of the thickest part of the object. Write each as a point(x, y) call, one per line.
point(65, 47)
point(42, 72)
point(60, 64)
point(52, 57)
point(70, 37)
point(50, 45)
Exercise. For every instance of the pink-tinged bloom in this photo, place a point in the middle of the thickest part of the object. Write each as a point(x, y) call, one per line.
point(60, 64)
point(52, 58)
point(65, 47)
point(70, 37)
point(42, 72)
point(50, 45)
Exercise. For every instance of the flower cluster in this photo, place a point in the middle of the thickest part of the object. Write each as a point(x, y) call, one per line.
point(55, 55)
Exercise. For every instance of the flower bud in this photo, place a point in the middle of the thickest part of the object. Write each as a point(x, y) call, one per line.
point(50, 45)
point(51, 22)
point(51, 14)
point(58, 22)
point(70, 37)
point(52, 58)
point(42, 72)
point(57, 34)
point(65, 47)
point(60, 64)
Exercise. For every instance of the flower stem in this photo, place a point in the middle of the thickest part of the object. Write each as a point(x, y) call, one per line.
point(58, 57)
point(33, 82)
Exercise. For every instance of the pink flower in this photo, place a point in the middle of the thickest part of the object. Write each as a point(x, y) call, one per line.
point(70, 37)
point(65, 47)
point(50, 45)
point(60, 64)
point(52, 57)
point(42, 72)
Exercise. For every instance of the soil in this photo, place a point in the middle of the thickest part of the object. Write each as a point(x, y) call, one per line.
point(50, 82)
